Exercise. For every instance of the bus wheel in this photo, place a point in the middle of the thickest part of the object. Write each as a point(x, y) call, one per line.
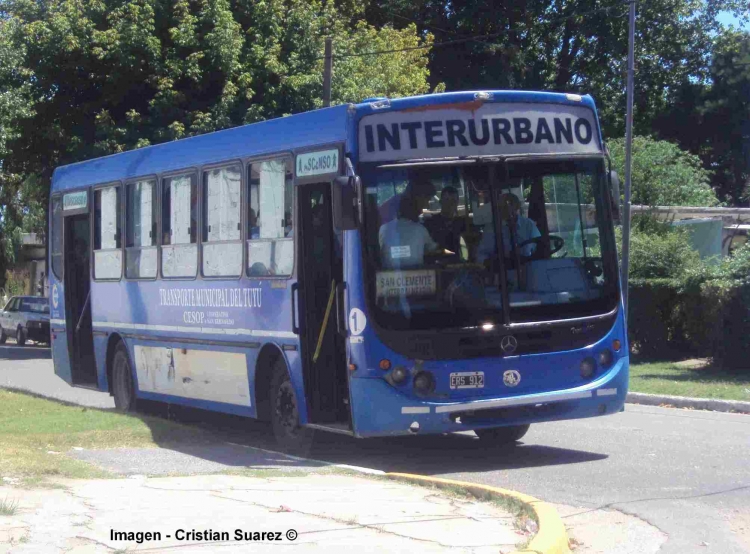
point(122, 380)
point(289, 434)
point(502, 435)
point(20, 336)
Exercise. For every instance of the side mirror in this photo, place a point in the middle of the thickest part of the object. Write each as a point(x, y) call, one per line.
point(345, 203)
point(614, 187)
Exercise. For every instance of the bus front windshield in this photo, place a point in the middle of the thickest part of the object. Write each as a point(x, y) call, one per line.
point(435, 233)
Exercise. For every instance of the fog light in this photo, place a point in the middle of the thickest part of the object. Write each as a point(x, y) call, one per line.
point(385, 365)
point(424, 382)
point(616, 345)
point(605, 357)
point(399, 374)
point(588, 366)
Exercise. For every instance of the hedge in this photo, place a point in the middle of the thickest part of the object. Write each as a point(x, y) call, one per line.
point(669, 318)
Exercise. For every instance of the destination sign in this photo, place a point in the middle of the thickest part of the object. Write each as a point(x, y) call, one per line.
point(490, 129)
point(75, 200)
point(317, 163)
point(416, 282)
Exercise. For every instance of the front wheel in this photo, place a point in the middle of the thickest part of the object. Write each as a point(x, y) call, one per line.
point(20, 336)
point(122, 380)
point(502, 436)
point(289, 434)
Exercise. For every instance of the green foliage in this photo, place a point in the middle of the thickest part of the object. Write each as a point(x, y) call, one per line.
point(663, 174)
point(86, 78)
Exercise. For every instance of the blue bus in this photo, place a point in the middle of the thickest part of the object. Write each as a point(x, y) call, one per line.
point(432, 264)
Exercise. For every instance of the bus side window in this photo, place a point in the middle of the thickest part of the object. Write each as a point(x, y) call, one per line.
point(140, 230)
point(179, 222)
point(56, 242)
point(270, 234)
point(222, 222)
point(107, 253)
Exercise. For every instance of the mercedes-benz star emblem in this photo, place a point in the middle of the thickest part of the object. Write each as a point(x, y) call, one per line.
point(509, 344)
point(511, 377)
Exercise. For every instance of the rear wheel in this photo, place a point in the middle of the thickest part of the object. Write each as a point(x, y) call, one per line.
point(123, 388)
point(3, 336)
point(289, 434)
point(501, 436)
point(20, 336)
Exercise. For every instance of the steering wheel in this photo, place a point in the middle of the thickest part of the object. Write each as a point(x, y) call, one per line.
point(556, 244)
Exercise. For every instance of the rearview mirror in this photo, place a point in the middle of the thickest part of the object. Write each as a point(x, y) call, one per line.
point(614, 187)
point(345, 203)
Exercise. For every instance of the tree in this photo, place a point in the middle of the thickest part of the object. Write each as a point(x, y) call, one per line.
point(726, 116)
point(85, 78)
point(663, 174)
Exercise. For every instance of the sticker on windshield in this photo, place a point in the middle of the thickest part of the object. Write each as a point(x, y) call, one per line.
point(398, 252)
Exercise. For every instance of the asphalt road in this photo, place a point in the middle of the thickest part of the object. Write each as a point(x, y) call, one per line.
point(685, 472)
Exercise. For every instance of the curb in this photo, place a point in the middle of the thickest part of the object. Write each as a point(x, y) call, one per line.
point(551, 537)
point(687, 402)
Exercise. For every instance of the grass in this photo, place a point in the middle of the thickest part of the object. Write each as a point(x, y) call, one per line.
point(693, 378)
point(8, 507)
point(36, 434)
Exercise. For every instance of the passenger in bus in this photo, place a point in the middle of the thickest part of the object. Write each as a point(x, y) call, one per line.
point(525, 229)
point(253, 224)
point(420, 188)
point(446, 227)
point(288, 225)
point(403, 240)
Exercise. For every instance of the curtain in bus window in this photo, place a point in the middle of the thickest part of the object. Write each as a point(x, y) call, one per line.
point(272, 199)
point(109, 218)
point(222, 223)
point(179, 251)
point(223, 204)
point(107, 256)
point(140, 256)
point(181, 207)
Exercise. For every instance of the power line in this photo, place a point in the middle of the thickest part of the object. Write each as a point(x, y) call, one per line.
point(468, 39)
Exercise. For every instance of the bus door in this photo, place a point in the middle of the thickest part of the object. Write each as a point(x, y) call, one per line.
point(77, 279)
point(320, 272)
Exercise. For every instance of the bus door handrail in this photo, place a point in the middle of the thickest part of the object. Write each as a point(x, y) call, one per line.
point(83, 311)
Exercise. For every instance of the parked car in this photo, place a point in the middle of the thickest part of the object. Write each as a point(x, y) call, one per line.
point(25, 318)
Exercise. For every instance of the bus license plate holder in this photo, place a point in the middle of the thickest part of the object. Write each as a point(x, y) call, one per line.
point(467, 380)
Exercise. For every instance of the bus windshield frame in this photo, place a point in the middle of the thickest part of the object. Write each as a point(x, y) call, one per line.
point(579, 179)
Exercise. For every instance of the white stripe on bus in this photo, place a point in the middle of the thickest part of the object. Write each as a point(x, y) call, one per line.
point(57, 322)
point(606, 392)
point(518, 401)
point(415, 410)
point(195, 330)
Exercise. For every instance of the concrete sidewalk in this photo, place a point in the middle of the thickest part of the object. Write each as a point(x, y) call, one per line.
point(331, 512)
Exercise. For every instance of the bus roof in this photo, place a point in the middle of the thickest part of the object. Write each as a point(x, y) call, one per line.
point(318, 127)
point(308, 129)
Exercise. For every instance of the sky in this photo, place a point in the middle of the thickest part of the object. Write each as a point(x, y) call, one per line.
point(728, 19)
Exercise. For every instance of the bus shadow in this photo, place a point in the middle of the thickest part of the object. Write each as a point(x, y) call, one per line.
point(241, 439)
point(13, 352)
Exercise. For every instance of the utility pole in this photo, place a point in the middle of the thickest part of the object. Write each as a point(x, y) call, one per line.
point(327, 69)
point(628, 158)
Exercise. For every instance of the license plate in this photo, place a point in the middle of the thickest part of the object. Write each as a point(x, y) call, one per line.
point(467, 380)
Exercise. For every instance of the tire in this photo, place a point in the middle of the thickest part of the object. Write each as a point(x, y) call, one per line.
point(20, 336)
point(123, 388)
point(3, 336)
point(290, 436)
point(502, 436)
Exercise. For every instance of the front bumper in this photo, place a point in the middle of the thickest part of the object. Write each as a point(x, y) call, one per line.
point(380, 410)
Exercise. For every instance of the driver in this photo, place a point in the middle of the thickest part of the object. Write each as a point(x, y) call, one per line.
point(525, 229)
